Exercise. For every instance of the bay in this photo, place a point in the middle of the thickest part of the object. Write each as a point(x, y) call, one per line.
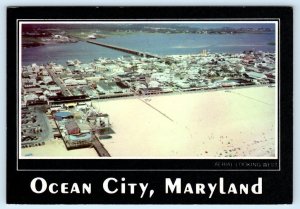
point(155, 43)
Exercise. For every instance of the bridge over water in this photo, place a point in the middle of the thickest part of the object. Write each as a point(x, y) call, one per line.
point(122, 49)
point(118, 48)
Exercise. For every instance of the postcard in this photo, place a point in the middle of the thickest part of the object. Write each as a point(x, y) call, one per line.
point(149, 105)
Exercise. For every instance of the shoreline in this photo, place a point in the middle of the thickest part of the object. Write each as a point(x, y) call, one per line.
point(182, 93)
point(244, 143)
point(230, 131)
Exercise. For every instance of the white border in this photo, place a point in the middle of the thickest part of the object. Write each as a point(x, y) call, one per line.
point(140, 21)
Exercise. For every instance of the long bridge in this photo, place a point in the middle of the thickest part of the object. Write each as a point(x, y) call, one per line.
point(122, 49)
point(118, 48)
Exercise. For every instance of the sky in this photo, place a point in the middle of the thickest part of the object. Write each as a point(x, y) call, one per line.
point(233, 25)
point(115, 25)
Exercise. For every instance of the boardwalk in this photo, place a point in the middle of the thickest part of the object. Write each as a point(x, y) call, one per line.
point(102, 152)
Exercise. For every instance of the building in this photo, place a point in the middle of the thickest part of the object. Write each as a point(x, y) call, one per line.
point(148, 91)
point(78, 141)
point(62, 115)
point(70, 105)
point(255, 75)
point(54, 89)
point(81, 138)
point(72, 127)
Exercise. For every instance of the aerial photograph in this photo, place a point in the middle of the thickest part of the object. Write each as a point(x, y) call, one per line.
point(148, 90)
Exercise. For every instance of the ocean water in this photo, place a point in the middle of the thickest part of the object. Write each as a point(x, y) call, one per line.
point(154, 43)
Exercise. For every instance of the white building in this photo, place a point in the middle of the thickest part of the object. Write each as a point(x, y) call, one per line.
point(47, 79)
point(54, 89)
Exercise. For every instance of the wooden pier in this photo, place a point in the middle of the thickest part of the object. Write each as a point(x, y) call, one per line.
point(95, 143)
point(102, 152)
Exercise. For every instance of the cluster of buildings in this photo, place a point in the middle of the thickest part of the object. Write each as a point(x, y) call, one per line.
point(79, 124)
point(32, 128)
point(57, 38)
point(128, 76)
point(65, 91)
point(37, 84)
point(43, 37)
point(192, 30)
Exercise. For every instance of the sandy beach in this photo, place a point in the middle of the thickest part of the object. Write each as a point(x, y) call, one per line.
point(237, 123)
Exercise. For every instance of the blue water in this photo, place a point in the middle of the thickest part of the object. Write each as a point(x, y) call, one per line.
point(155, 43)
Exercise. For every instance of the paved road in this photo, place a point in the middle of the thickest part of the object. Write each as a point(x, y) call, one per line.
point(65, 91)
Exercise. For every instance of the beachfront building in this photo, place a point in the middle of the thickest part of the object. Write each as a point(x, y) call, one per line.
point(72, 127)
point(150, 90)
point(80, 139)
point(256, 75)
point(106, 78)
point(62, 115)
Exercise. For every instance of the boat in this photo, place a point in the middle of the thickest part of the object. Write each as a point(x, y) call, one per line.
point(73, 62)
point(92, 36)
point(70, 63)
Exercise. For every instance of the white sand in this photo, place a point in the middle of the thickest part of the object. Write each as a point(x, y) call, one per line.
point(57, 148)
point(239, 123)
